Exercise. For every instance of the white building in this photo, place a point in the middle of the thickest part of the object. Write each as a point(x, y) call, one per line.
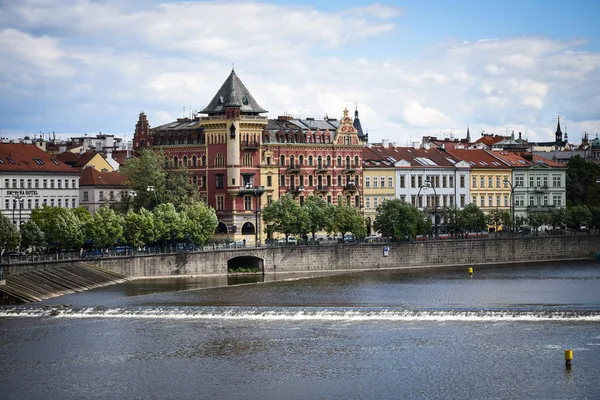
point(30, 178)
point(99, 188)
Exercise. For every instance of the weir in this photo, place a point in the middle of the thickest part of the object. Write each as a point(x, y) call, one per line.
point(44, 284)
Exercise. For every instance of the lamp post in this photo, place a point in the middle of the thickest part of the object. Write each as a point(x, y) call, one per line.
point(151, 189)
point(512, 201)
point(17, 199)
point(130, 194)
point(427, 184)
point(257, 191)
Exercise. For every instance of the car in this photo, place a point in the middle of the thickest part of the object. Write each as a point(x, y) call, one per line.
point(290, 240)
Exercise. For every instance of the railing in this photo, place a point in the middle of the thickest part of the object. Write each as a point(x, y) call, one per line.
point(540, 189)
point(250, 145)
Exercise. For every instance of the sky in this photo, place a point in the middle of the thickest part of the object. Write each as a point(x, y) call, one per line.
point(411, 68)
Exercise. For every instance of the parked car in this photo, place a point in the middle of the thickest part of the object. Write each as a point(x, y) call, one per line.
point(290, 240)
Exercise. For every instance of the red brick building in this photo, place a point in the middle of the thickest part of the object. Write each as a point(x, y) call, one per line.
point(241, 160)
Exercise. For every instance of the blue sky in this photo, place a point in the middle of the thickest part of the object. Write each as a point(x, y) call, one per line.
point(415, 68)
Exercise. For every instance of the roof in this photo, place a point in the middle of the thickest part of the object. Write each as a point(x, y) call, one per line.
point(524, 159)
point(233, 93)
point(28, 157)
point(417, 157)
point(478, 158)
point(79, 160)
point(489, 139)
point(119, 156)
point(91, 177)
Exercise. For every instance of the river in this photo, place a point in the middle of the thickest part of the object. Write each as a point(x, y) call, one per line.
point(419, 334)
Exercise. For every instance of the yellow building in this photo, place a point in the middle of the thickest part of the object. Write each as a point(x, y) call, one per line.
point(379, 184)
point(85, 160)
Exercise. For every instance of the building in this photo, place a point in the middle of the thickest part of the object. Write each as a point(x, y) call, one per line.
point(88, 159)
point(241, 160)
point(537, 184)
point(100, 188)
point(30, 178)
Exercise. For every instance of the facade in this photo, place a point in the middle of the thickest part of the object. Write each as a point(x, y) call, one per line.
point(537, 184)
point(488, 174)
point(31, 178)
point(379, 182)
point(240, 160)
point(99, 188)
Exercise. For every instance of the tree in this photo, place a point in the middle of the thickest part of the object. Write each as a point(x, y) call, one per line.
point(348, 219)
point(9, 235)
point(200, 221)
point(583, 182)
point(106, 227)
point(285, 216)
point(537, 219)
point(473, 219)
point(167, 224)
point(138, 228)
point(452, 219)
point(397, 219)
point(558, 218)
point(170, 185)
point(579, 215)
point(319, 215)
point(32, 236)
point(62, 228)
point(496, 218)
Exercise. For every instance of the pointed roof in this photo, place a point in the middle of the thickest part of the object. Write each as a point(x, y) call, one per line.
point(357, 125)
point(558, 131)
point(233, 93)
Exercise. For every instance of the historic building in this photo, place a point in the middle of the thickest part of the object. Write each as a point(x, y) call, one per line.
point(99, 188)
point(241, 160)
point(30, 178)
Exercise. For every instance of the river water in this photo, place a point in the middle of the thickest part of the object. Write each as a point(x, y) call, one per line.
point(430, 334)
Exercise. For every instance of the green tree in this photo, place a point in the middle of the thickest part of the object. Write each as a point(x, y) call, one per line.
point(32, 236)
point(397, 219)
point(319, 215)
point(536, 219)
point(496, 218)
point(452, 220)
point(579, 215)
point(106, 227)
point(473, 219)
point(170, 185)
point(167, 224)
point(583, 179)
point(595, 217)
point(9, 235)
point(62, 228)
point(138, 228)
point(558, 218)
point(285, 216)
point(201, 221)
point(348, 219)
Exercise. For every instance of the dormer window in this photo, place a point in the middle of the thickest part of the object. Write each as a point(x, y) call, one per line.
point(221, 100)
point(245, 100)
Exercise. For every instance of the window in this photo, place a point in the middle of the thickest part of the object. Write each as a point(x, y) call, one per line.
point(482, 181)
point(7, 204)
point(269, 181)
point(51, 183)
point(505, 200)
point(248, 203)
point(462, 199)
point(269, 199)
point(368, 202)
point(282, 160)
point(497, 181)
point(474, 181)
point(490, 199)
point(382, 181)
point(556, 181)
point(66, 183)
point(29, 183)
point(37, 203)
point(101, 195)
point(111, 195)
point(59, 183)
point(22, 183)
point(498, 204)
point(557, 200)
point(482, 203)
point(375, 183)
point(220, 203)
point(412, 181)
point(474, 200)
point(310, 160)
point(531, 201)
point(402, 183)
point(51, 202)
point(86, 196)
point(545, 184)
point(451, 181)
point(462, 181)
point(375, 202)
point(490, 181)
point(219, 181)
point(60, 202)
point(367, 181)
point(390, 181)
point(339, 180)
point(73, 184)
point(6, 183)
point(310, 180)
point(519, 181)
point(444, 181)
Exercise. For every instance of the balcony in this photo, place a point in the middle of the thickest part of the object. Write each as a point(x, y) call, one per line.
point(320, 169)
point(249, 190)
point(293, 169)
point(350, 188)
point(250, 145)
point(322, 189)
point(349, 170)
point(540, 189)
point(295, 191)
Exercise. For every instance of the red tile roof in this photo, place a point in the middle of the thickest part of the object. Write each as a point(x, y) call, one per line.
point(76, 160)
point(417, 157)
point(524, 159)
point(91, 177)
point(489, 140)
point(478, 158)
point(119, 156)
point(29, 157)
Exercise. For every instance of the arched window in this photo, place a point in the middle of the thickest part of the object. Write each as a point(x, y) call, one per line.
point(300, 161)
point(185, 161)
point(347, 161)
point(339, 161)
point(221, 228)
point(356, 161)
point(292, 165)
point(194, 161)
point(248, 228)
point(329, 161)
point(319, 162)
point(310, 160)
point(282, 160)
point(203, 160)
point(175, 162)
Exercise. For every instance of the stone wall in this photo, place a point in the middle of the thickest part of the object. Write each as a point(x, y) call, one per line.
point(352, 257)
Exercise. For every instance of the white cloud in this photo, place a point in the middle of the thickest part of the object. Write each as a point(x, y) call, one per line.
point(103, 62)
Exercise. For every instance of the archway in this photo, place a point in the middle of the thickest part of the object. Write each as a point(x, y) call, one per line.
point(248, 229)
point(221, 228)
point(245, 264)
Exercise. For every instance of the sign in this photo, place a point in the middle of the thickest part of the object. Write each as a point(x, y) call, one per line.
point(386, 251)
point(21, 192)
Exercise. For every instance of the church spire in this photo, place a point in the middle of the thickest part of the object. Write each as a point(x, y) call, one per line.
point(468, 135)
point(558, 134)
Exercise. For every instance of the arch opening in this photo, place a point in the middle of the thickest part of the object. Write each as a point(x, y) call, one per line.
point(245, 264)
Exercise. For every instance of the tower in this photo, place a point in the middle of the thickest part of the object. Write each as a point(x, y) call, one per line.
point(141, 136)
point(558, 134)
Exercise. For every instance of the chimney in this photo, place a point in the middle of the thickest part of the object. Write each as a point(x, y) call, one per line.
point(384, 143)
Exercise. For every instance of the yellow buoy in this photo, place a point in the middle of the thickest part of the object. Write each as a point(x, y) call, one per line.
point(568, 358)
point(470, 271)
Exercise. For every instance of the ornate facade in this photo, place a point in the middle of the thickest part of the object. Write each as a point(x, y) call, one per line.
point(241, 160)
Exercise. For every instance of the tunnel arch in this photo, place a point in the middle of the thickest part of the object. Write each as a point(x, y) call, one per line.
point(249, 264)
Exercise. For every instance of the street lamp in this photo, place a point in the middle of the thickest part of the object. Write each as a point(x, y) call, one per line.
point(17, 199)
point(130, 194)
point(512, 201)
point(151, 189)
point(257, 191)
point(427, 184)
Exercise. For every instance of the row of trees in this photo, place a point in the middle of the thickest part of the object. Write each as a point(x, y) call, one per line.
point(55, 228)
